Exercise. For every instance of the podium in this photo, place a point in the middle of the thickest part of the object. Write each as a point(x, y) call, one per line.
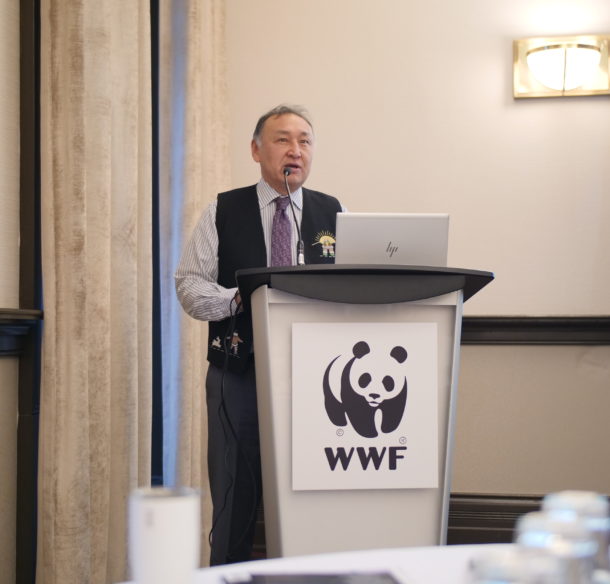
point(356, 371)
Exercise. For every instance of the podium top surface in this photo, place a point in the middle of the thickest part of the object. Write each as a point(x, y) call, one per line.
point(363, 284)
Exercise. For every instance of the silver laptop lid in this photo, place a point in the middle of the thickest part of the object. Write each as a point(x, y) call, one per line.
point(411, 239)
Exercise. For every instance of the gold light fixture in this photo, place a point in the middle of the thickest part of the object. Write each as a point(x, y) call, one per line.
point(561, 66)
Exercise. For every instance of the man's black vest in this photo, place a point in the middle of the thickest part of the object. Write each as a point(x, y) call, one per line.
point(241, 244)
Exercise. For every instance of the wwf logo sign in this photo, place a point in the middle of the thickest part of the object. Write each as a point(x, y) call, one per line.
point(365, 393)
point(364, 405)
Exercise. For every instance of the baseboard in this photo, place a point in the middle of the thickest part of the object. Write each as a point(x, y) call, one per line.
point(473, 519)
point(480, 518)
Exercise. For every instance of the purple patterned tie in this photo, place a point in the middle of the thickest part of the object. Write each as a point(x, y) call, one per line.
point(281, 253)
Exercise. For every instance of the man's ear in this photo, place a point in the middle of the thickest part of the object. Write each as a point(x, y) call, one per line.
point(254, 149)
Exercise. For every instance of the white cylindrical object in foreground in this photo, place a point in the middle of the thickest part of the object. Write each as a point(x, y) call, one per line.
point(164, 535)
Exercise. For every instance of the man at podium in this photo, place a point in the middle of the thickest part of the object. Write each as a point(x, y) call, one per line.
point(276, 222)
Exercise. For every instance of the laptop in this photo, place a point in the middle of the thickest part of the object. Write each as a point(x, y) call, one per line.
point(410, 239)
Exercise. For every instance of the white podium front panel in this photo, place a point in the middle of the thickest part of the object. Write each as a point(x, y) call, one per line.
point(342, 517)
point(364, 405)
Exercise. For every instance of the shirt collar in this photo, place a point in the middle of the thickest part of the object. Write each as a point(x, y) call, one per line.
point(267, 194)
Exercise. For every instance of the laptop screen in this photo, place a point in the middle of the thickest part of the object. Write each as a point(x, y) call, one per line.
point(410, 239)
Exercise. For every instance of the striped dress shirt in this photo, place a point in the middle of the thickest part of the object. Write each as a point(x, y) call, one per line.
point(196, 276)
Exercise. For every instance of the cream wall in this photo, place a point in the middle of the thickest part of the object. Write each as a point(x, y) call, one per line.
point(9, 273)
point(413, 109)
point(532, 420)
point(9, 374)
point(9, 154)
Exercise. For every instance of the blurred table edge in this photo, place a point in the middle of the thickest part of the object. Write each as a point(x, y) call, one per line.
point(413, 565)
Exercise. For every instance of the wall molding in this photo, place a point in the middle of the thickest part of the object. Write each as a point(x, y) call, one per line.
point(15, 326)
point(16, 323)
point(536, 330)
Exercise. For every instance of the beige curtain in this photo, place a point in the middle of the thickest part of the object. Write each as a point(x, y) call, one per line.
point(194, 167)
point(96, 251)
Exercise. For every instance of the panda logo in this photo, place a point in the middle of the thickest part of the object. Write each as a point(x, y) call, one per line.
point(365, 393)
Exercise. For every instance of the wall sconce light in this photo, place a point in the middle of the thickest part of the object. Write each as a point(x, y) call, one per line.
point(561, 66)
